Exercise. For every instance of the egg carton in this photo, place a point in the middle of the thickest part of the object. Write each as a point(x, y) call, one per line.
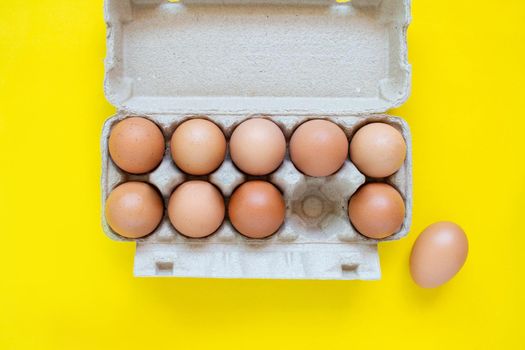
point(286, 60)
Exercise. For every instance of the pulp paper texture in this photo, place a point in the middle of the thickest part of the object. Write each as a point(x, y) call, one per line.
point(288, 61)
point(277, 57)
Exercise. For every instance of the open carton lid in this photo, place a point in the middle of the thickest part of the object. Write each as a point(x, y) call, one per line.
point(257, 56)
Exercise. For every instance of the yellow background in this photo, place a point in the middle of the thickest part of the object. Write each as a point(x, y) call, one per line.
point(64, 285)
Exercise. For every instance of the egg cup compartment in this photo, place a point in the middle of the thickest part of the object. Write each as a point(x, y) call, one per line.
point(316, 207)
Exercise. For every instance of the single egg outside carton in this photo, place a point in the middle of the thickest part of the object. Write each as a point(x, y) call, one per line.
point(438, 254)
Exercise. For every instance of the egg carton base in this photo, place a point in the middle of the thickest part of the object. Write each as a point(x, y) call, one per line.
point(259, 261)
point(301, 193)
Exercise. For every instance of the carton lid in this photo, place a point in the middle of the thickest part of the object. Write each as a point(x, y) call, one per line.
point(257, 56)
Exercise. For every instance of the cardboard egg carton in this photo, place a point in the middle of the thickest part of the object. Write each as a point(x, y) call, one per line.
point(288, 61)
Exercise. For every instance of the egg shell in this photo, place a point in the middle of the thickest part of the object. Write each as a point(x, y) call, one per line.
point(378, 150)
point(136, 145)
point(198, 146)
point(134, 209)
point(257, 209)
point(196, 209)
point(377, 210)
point(318, 148)
point(257, 146)
point(438, 254)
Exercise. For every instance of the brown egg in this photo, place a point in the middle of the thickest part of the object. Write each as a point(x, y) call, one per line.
point(134, 209)
point(438, 254)
point(136, 145)
point(378, 150)
point(196, 209)
point(377, 210)
point(257, 146)
point(257, 209)
point(198, 146)
point(318, 148)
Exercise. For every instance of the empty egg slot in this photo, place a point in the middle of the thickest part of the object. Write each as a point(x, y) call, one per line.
point(312, 207)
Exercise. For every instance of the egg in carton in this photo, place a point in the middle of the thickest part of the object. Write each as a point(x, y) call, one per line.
point(288, 61)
